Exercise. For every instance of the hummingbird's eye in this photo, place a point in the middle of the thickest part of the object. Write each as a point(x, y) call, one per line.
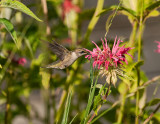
point(82, 52)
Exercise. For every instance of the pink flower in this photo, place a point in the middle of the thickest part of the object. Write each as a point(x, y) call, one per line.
point(21, 61)
point(108, 58)
point(67, 6)
point(158, 46)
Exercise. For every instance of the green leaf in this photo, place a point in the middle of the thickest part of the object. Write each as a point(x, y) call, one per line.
point(130, 4)
point(9, 27)
point(67, 106)
point(29, 46)
point(155, 5)
point(153, 102)
point(0, 66)
point(86, 14)
point(18, 6)
point(142, 99)
point(45, 78)
point(114, 7)
point(73, 119)
point(153, 13)
point(157, 116)
point(91, 94)
point(130, 67)
point(121, 87)
point(98, 99)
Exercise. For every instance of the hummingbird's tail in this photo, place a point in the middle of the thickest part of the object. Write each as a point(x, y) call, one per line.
point(43, 67)
point(48, 66)
point(53, 65)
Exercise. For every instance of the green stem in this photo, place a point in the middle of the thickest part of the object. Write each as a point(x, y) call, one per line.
point(133, 34)
point(99, 107)
point(46, 96)
point(132, 39)
point(8, 105)
point(94, 20)
point(137, 96)
point(65, 91)
point(61, 106)
point(120, 115)
point(111, 20)
point(140, 11)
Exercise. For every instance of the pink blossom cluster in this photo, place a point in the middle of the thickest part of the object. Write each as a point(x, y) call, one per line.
point(20, 61)
point(67, 6)
point(158, 46)
point(107, 57)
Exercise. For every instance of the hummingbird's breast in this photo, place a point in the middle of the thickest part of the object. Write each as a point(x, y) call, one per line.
point(69, 59)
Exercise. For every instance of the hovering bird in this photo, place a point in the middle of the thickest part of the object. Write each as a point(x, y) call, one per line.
point(66, 57)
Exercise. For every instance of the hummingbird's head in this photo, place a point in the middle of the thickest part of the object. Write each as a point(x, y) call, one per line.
point(80, 51)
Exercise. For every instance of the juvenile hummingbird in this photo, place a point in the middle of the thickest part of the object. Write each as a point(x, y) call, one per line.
point(66, 57)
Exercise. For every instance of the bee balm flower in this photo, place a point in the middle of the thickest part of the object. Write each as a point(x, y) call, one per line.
point(109, 60)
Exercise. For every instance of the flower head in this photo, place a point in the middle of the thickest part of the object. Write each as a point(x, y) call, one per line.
point(21, 61)
point(67, 6)
point(158, 47)
point(109, 60)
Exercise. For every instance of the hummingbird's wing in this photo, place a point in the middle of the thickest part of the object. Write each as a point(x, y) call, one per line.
point(58, 49)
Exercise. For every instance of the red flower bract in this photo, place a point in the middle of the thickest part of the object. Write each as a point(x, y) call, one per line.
point(107, 57)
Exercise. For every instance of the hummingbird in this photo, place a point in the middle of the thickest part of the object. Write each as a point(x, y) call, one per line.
point(66, 57)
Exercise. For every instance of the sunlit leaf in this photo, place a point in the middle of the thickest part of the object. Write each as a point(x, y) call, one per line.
point(153, 13)
point(18, 6)
point(9, 27)
point(121, 88)
point(45, 78)
point(142, 99)
point(130, 4)
point(157, 116)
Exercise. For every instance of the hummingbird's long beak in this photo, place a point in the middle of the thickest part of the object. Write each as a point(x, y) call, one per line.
point(86, 51)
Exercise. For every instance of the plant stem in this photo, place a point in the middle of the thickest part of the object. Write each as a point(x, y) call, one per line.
point(94, 20)
point(151, 115)
point(112, 19)
point(120, 115)
point(133, 34)
point(140, 11)
point(69, 85)
point(93, 115)
point(98, 108)
point(7, 107)
point(137, 97)
point(45, 11)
